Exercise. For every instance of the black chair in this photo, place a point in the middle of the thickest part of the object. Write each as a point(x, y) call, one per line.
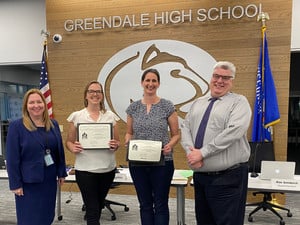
point(107, 204)
point(263, 151)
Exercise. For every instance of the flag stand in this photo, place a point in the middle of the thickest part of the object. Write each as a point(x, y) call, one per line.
point(266, 113)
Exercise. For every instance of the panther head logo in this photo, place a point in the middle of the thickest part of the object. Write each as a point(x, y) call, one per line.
point(184, 70)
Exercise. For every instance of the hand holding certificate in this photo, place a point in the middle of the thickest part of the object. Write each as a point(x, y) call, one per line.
point(94, 135)
point(144, 151)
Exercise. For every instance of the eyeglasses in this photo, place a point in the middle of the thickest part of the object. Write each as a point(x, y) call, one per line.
point(225, 78)
point(95, 92)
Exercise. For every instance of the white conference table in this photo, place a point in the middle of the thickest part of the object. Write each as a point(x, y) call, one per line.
point(123, 177)
point(257, 184)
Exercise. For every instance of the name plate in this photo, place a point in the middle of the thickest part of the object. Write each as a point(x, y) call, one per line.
point(144, 151)
point(286, 184)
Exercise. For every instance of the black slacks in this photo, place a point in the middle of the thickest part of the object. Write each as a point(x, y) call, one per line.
point(220, 198)
point(94, 188)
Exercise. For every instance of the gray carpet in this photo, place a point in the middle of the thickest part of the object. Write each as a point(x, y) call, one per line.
point(73, 215)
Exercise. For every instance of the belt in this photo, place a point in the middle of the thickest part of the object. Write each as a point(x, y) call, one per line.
point(213, 173)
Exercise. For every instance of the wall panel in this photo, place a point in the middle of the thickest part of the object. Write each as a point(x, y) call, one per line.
point(81, 55)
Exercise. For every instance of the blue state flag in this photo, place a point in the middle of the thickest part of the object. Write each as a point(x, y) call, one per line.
point(272, 115)
point(266, 111)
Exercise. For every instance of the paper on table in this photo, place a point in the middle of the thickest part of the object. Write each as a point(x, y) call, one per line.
point(186, 173)
point(182, 174)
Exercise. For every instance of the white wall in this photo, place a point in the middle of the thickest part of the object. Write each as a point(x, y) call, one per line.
point(295, 41)
point(21, 22)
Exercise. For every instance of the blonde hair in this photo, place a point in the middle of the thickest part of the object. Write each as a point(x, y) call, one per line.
point(27, 121)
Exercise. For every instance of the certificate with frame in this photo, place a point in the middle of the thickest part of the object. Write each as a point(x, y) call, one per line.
point(144, 151)
point(94, 136)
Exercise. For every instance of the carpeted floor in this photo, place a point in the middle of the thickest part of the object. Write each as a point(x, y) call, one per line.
point(73, 215)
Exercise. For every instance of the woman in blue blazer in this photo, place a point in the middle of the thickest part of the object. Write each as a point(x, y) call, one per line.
point(35, 161)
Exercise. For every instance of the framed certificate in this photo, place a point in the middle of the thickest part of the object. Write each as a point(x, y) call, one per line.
point(144, 151)
point(94, 135)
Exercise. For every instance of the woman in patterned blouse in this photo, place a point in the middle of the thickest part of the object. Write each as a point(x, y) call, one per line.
point(151, 118)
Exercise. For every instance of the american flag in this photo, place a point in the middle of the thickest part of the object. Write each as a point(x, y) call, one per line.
point(44, 82)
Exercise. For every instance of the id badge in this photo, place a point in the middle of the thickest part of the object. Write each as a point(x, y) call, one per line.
point(48, 158)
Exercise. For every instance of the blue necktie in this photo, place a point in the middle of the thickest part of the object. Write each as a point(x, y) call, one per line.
point(203, 124)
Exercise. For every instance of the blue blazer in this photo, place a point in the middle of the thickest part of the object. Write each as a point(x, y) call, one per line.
point(25, 155)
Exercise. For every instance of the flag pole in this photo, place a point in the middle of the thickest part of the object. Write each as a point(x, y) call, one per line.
point(44, 79)
point(259, 136)
point(45, 34)
point(263, 16)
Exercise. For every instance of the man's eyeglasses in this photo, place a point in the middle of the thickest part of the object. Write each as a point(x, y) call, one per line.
point(225, 78)
point(95, 92)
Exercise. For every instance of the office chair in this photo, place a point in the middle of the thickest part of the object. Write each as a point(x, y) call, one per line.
point(263, 151)
point(107, 204)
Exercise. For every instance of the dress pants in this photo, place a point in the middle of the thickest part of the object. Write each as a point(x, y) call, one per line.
point(152, 184)
point(220, 198)
point(94, 188)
